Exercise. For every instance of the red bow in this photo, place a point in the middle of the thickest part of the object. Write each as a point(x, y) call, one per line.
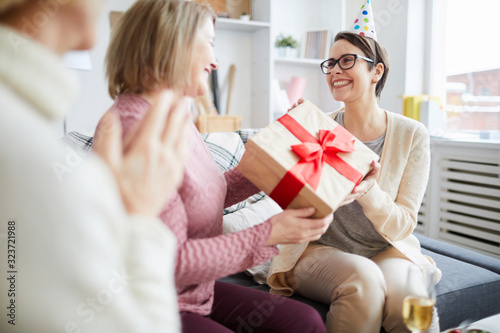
point(313, 154)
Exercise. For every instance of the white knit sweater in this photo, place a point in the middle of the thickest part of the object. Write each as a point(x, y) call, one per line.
point(71, 259)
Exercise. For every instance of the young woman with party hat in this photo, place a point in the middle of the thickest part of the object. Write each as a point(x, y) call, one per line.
point(360, 265)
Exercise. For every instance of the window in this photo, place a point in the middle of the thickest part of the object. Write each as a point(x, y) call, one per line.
point(472, 69)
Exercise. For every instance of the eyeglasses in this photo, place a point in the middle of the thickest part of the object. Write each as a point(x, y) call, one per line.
point(347, 61)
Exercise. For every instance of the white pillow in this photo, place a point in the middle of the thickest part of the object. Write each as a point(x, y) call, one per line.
point(226, 149)
point(248, 217)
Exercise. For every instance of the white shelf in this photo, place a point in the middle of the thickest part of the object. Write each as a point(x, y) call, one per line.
point(249, 45)
point(298, 61)
point(239, 25)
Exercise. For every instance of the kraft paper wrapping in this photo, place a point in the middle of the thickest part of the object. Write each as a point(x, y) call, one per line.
point(268, 157)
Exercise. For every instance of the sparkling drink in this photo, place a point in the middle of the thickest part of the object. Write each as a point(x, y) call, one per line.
point(417, 312)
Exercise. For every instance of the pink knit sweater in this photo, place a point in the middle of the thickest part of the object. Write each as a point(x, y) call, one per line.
point(194, 214)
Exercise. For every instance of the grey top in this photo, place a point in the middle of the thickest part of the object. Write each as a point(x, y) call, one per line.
point(351, 231)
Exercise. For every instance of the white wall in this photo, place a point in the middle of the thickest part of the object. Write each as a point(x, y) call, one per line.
point(237, 50)
point(93, 99)
point(295, 17)
point(435, 69)
point(400, 25)
point(415, 47)
point(401, 29)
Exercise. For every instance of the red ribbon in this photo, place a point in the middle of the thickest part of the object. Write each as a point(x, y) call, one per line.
point(313, 154)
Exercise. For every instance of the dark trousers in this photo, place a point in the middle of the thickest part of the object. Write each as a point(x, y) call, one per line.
point(245, 310)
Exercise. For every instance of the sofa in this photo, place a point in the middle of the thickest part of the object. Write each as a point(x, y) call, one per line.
point(468, 291)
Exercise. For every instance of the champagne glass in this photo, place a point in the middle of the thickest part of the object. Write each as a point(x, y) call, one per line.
point(419, 304)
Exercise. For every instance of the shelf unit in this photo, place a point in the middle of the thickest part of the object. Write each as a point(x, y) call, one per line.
point(239, 25)
point(313, 63)
point(249, 45)
point(295, 18)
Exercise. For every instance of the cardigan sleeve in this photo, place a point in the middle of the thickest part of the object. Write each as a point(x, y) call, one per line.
point(406, 177)
point(238, 187)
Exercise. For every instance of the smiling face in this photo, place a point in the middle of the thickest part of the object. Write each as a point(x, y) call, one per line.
point(352, 84)
point(203, 61)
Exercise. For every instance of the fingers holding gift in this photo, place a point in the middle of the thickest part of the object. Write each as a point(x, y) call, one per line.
point(299, 101)
point(294, 226)
point(374, 171)
point(364, 186)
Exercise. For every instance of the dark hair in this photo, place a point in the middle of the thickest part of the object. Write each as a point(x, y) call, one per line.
point(373, 50)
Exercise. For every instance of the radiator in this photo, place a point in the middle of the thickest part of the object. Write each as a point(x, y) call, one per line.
point(423, 216)
point(462, 202)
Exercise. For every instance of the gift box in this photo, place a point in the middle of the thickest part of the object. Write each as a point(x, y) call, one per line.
point(306, 159)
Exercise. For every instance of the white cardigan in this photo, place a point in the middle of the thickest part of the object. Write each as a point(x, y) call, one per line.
point(78, 261)
point(392, 204)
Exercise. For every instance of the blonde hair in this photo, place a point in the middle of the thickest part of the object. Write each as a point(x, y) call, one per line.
point(152, 45)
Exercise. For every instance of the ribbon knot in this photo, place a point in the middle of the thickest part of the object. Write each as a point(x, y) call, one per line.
point(314, 153)
point(330, 143)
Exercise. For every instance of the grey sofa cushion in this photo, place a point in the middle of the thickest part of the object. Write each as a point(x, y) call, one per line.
point(470, 287)
point(459, 253)
point(467, 290)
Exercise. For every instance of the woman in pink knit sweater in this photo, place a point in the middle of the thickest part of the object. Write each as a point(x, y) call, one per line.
point(169, 44)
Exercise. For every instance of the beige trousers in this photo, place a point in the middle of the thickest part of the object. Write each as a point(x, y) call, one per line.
point(364, 294)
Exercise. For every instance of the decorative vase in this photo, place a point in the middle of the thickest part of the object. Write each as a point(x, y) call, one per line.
point(290, 52)
point(281, 51)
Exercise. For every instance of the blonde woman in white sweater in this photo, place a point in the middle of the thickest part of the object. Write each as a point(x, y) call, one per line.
point(80, 242)
point(359, 266)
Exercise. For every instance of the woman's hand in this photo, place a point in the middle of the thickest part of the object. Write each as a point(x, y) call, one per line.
point(149, 165)
point(364, 186)
point(299, 101)
point(293, 226)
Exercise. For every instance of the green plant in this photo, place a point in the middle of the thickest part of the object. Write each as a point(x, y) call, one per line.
point(286, 41)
